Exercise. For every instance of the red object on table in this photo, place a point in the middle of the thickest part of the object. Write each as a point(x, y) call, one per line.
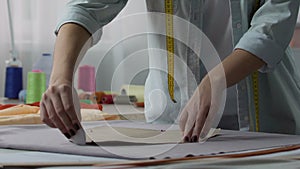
point(5, 106)
point(139, 104)
point(108, 99)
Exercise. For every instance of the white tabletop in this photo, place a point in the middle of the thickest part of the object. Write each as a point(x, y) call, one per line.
point(274, 161)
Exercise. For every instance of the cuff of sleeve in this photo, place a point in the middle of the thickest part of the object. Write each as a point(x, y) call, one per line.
point(262, 47)
point(81, 17)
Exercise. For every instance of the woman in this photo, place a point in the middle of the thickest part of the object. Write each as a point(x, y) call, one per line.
point(243, 49)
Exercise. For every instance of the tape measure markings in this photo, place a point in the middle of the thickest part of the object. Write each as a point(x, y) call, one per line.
point(170, 46)
point(256, 98)
point(255, 84)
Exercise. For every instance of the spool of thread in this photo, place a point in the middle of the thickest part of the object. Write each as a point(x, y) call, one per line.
point(14, 82)
point(107, 99)
point(36, 86)
point(22, 96)
point(86, 78)
point(99, 96)
point(134, 90)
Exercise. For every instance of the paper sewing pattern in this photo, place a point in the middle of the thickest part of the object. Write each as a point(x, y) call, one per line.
point(135, 135)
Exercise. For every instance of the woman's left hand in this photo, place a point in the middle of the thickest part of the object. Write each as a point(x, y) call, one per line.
point(202, 112)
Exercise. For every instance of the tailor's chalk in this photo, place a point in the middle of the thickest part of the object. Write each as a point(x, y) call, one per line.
point(79, 138)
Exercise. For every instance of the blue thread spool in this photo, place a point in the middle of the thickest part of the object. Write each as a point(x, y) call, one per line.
point(14, 82)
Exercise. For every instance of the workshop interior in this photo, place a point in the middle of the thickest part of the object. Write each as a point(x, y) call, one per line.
point(111, 86)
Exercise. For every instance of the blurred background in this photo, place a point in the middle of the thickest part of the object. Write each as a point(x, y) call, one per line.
point(34, 22)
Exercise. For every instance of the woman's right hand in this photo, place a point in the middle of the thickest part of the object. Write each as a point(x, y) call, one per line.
point(60, 104)
point(58, 108)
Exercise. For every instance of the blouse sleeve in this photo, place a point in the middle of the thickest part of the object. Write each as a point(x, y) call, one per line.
point(271, 30)
point(91, 14)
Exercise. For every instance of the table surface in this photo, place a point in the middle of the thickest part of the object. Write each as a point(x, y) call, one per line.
point(290, 159)
point(276, 160)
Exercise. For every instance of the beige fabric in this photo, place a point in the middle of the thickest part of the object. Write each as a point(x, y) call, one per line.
point(19, 109)
point(20, 119)
point(24, 114)
point(94, 115)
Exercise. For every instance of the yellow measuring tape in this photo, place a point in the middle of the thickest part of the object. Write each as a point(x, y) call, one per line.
point(170, 55)
point(256, 98)
point(255, 84)
point(170, 46)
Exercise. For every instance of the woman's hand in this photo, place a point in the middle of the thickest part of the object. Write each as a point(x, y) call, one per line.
point(202, 112)
point(59, 108)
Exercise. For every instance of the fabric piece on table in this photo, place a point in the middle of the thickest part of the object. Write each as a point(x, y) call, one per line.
point(26, 114)
point(134, 135)
point(91, 106)
point(95, 115)
point(5, 106)
point(20, 119)
point(19, 109)
point(37, 104)
point(43, 138)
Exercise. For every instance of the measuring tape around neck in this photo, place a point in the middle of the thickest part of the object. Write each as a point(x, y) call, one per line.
point(256, 98)
point(255, 83)
point(170, 58)
point(170, 46)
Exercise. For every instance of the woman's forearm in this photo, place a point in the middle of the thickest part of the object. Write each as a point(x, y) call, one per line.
point(71, 44)
point(238, 65)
